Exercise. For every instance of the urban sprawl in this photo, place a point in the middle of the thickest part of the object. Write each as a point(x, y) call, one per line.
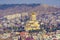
point(30, 26)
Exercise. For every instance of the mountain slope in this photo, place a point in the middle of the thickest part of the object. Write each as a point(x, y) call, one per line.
point(18, 8)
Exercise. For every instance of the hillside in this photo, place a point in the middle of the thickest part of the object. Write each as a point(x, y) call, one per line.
point(18, 8)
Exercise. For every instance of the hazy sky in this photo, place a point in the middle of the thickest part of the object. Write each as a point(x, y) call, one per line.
point(49, 2)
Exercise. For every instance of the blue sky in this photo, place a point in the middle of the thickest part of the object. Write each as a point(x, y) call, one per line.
point(49, 2)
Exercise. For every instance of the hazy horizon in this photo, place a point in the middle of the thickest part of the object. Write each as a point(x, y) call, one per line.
point(48, 2)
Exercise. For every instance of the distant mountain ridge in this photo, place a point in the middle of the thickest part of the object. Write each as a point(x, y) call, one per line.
point(5, 6)
point(7, 9)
